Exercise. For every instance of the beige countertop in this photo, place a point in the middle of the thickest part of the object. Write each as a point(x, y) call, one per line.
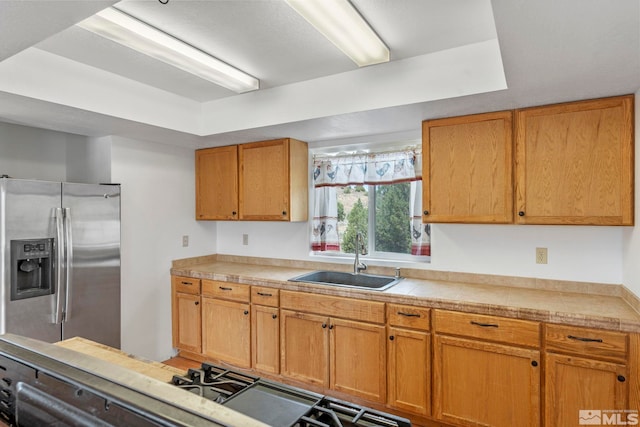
point(595, 305)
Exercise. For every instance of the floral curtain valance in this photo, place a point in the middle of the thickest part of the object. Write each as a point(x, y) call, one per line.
point(368, 168)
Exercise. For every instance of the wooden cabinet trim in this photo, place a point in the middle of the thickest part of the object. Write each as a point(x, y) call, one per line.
point(185, 285)
point(226, 290)
point(265, 296)
point(409, 316)
point(587, 342)
point(490, 328)
point(339, 307)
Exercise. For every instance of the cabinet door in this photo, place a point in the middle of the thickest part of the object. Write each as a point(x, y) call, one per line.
point(575, 387)
point(265, 338)
point(409, 370)
point(467, 169)
point(217, 183)
point(483, 384)
point(358, 359)
point(264, 180)
point(226, 331)
point(186, 322)
point(574, 163)
point(304, 347)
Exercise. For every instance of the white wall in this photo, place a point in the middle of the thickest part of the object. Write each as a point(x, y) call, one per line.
point(631, 246)
point(30, 153)
point(158, 208)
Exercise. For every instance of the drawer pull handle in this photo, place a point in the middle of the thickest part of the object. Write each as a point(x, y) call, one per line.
point(262, 294)
point(571, 337)
point(408, 314)
point(484, 325)
point(222, 288)
point(186, 283)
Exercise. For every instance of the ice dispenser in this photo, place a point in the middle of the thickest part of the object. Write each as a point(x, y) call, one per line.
point(31, 268)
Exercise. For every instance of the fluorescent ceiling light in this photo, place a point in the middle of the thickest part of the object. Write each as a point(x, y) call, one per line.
point(341, 23)
point(128, 31)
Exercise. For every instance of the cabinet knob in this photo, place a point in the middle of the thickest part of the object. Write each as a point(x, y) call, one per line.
point(391, 338)
point(197, 302)
point(426, 212)
point(534, 363)
point(324, 325)
point(284, 212)
point(246, 312)
point(274, 316)
point(330, 326)
point(621, 378)
point(521, 213)
point(234, 213)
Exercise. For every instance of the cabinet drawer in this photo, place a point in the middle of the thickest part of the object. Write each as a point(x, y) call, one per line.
point(491, 328)
point(225, 290)
point(186, 285)
point(408, 316)
point(347, 308)
point(265, 296)
point(587, 342)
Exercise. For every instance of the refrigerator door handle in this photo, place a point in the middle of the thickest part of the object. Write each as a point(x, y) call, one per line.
point(68, 263)
point(59, 266)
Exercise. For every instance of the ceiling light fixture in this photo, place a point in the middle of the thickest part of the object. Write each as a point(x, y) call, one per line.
point(341, 23)
point(116, 25)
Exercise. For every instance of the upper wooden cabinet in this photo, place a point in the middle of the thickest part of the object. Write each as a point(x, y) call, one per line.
point(217, 183)
point(467, 169)
point(574, 163)
point(274, 180)
point(259, 181)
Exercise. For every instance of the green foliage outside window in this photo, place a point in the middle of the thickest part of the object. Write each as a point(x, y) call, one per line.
point(358, 223)
point(392, 224)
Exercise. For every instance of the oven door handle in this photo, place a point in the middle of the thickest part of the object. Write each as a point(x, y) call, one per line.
point(60, 266)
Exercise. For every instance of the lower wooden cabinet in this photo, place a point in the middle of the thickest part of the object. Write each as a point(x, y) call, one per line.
point(226, 331)
point(343, 355)
point(358, 359)
point(305, 347)
point(187, 321)
point(409, 376)
point(575, 384)
point(265, 339)
point(478, 383)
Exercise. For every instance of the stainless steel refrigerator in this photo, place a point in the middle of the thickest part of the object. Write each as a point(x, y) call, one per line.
point(60, 260)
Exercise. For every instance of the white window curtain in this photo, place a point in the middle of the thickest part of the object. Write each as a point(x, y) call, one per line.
point(340, 170)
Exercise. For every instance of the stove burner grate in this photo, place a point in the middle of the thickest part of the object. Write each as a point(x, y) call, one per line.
point(213, 382)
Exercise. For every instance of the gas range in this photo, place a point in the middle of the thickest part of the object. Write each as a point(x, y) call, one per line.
point(278, 404)
point(44, 384)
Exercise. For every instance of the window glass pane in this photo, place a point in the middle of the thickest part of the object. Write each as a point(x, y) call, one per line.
point(392, 218)
point(353, 216)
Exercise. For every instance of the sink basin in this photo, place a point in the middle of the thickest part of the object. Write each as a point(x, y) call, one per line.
point(338, 278)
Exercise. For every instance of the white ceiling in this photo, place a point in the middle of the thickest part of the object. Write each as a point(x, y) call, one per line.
point(448, 58)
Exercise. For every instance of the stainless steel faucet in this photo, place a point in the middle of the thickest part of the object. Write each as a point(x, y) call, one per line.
point(357, 265)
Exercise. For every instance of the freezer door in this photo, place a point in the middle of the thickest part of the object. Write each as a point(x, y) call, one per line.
point(27, 211)
point(92, 307)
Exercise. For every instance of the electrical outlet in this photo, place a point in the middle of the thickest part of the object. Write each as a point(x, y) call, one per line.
point(541, 255)
point(185, 241)
point(245, 239)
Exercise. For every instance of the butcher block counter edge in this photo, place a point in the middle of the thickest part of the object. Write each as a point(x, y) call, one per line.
point(611, 307)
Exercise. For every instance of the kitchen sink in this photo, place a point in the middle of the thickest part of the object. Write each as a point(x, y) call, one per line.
point(350, 280)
